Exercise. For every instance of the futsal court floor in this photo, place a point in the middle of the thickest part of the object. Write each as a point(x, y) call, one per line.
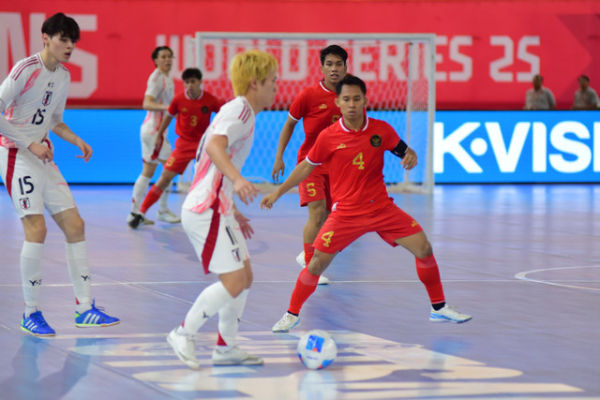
point(524, 260)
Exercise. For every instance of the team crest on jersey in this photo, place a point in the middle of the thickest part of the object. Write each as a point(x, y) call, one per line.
point(24, 202)
point(204, 110)
point(47, 98)
point(335, 118)
point(375, 140)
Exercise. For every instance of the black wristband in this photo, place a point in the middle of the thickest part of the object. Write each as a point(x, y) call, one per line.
point(400, 149)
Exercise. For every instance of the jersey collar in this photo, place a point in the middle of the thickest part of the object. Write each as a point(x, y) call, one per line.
point(325, 87)
point(364, 127)
point(197, 98)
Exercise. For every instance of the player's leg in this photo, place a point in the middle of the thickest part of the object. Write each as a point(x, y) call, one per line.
point(222, 250)
point(59, 202)
point(140, 188)
point(23, 176)
point(314, 194)
point(157, 190)
point(427, 268)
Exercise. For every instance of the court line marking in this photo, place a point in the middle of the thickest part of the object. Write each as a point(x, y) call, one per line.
point(524, 277)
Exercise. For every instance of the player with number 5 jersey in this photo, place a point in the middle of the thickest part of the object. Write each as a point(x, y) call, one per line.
point(33, 99)
point(354, 148)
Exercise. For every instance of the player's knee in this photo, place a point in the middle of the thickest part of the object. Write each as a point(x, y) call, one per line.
point(74, 230)
point(425, 250)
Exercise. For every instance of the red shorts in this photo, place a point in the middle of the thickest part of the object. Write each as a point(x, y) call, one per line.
point(180, 157)
point(390, 222)
point(315, 187)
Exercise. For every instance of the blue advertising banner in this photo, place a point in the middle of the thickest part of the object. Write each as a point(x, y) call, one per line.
point(469, 146)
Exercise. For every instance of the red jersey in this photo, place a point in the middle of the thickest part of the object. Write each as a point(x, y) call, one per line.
point(194, 114)
point(315, 105)
point(355, 162)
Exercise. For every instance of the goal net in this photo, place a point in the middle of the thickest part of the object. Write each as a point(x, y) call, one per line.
point(397, 68)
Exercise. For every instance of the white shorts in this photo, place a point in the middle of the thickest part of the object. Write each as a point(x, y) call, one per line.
point(32, 184)
point(151, 155)
point(219, 244)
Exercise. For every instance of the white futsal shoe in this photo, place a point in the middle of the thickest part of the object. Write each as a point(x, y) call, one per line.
point(287, 322)
point(225, 355)
point(323, 280)
point(184, 347)
point(169, 216)
point(448, 314)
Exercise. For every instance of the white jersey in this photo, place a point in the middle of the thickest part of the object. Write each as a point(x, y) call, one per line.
point(162, 89)
point(33, 99)
point(236, 121)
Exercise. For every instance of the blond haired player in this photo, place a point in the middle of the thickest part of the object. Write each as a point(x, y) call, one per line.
point(155, 148)
point(33, 99)
point(215, 227)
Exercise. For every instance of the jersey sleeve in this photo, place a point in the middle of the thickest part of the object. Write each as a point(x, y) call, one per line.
point(390, 137)
point(174, 107)
point(9, 91)
point(154, 86)
point(230, 124)
point(321, 150)
point(298, 106)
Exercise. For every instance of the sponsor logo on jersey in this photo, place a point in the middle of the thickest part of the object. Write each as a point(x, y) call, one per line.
point(341, 146)
point(375, 140)
point(414, 223)
point(323, 106)
point(47, 97)
point(24, 202)
point(184, 110)
point(205, 110)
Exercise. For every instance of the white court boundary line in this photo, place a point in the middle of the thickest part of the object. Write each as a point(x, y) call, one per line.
point(523, 277)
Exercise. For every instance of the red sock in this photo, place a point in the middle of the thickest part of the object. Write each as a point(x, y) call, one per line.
point(220, 341)
point(429, 274)
point(309, 250)
point(152, 197)
point(305, 286)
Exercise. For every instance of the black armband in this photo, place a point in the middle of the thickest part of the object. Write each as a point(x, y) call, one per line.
point(400, 149)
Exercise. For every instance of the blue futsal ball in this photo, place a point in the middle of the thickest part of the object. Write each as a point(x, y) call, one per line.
point(316, 349)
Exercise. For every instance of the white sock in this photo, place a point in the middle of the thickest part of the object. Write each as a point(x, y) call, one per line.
point(77, 261)
point(139, 192)
point(163, 201)
point(31, 274)
point(210, 300)
point(229, 318)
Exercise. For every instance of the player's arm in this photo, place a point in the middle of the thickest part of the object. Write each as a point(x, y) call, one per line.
point(64, 132)
point(216, 148)
point(150, 104)
point(284, 139)
point(408, 155)
point(244, 222)
point(299, 173)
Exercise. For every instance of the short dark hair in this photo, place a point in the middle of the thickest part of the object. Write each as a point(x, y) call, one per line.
point(587, 78)
point(191, 73)
point(60, 24)
point(333, 49)
point(158, 50)
point(351, 80)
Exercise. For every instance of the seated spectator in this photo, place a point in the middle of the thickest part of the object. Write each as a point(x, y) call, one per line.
point(586, 98)
point(539, 97)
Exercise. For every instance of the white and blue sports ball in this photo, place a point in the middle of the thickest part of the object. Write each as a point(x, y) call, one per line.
point(317, 349)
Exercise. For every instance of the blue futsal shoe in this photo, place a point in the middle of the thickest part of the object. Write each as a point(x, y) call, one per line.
point(36, 325)
point(94, 317)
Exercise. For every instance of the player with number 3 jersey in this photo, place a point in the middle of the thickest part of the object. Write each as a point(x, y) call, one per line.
point(354, 148)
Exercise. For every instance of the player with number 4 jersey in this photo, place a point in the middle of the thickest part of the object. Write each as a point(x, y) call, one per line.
point(33, 99)
point(354, 148)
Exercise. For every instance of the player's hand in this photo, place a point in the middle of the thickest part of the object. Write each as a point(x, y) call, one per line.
point(42, 152)
point(278, 168)
point(244, 223)
point(268, 201)
point(245, 190)
point(158, 143)
point(86, 150)
point(410, 159)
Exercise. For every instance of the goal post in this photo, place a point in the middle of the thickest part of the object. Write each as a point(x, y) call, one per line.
point(399, 70)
